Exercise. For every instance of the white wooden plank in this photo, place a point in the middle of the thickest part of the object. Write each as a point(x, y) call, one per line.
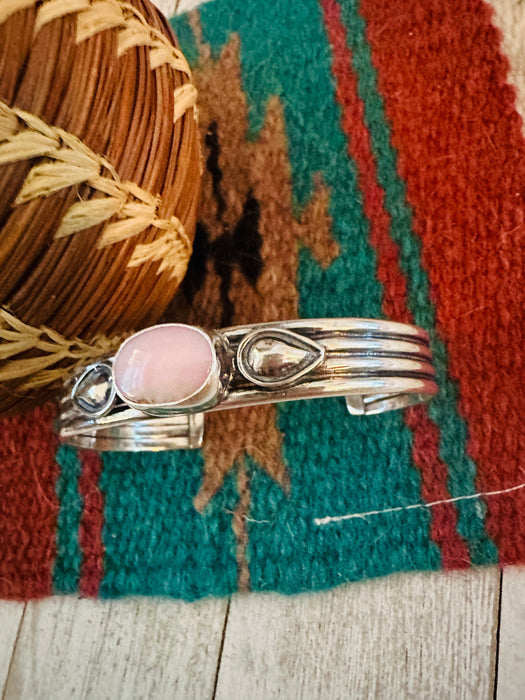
point(166, 6)
point(172, 7)
point(410, 636)
point(10, 618)
point(134, 648)
point(509, 17)
point(511, 658)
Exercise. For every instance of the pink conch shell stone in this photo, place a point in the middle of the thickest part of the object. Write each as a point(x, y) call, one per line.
point(163, 365)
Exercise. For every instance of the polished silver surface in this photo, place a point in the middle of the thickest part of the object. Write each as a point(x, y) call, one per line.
point(127, 429)
point(276, 357)
point(376, 365)
point(94, 391)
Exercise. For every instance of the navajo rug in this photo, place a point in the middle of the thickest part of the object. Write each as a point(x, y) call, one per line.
point(363, 158)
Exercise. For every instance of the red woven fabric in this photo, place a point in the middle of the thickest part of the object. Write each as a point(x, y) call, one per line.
point(463, 257)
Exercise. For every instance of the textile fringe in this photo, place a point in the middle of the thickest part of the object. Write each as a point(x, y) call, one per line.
point(415, 506)
point(17, 337)
point(132, 28)
point(66, 161)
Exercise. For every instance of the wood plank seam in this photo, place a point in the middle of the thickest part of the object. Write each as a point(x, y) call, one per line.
point(13, 651)
point(219, 659)
point(497, 637)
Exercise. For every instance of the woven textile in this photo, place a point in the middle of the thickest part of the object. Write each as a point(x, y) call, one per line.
point(362, 158)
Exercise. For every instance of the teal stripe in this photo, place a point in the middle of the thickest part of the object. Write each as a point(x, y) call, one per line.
point(186, 39)
point(337, 463)
point(155, 542)
point(66, 570)
point(444, 408)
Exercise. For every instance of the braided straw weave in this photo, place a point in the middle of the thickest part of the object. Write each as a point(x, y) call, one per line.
point(100, 172)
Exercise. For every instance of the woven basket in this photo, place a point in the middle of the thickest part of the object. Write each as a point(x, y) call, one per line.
point(99, 174)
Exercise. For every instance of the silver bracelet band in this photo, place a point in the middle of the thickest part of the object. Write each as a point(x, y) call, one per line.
point(153, 393)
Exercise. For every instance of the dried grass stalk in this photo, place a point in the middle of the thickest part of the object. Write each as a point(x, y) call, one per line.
point(100, 170)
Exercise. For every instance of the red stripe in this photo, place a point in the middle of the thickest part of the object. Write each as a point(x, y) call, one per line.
point(462, 156)
point(28, 504)
point(359, 148)
point(425, 450)
point(90, 532)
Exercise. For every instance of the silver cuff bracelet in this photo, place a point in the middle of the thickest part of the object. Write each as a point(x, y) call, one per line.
point(152, 394)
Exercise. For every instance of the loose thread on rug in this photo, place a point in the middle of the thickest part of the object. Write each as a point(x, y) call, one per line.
point(350, 516)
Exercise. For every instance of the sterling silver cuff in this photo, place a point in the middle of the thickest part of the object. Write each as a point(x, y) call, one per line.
point(153, 393)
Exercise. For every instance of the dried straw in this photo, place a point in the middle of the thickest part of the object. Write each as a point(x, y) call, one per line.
point(99, 170)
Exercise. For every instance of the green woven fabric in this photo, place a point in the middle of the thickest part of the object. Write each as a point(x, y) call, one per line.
point(360, 159)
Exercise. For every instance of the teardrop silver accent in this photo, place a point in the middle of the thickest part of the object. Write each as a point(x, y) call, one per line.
point(94, 391)
point(273, 357)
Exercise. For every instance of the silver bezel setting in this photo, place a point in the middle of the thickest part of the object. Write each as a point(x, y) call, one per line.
point(95, 366)
point(376, 365)
point(205, 396)
point(285, 337)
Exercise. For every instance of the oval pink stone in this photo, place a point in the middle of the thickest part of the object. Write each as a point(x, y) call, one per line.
point(163, 364)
